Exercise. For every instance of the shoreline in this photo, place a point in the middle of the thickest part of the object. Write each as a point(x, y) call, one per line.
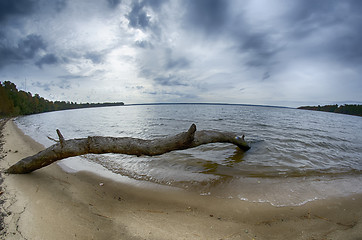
point(53, 204)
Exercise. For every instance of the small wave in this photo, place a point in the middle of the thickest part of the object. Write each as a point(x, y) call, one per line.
point(203, 174)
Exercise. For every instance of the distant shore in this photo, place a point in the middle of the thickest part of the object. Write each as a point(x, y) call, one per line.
point(348, 109)
point(17, 102)
point(53, 204)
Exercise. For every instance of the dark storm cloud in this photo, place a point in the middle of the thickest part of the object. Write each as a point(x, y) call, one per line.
point(210, 16)
point(347, 46)
point(303, 19)
point(68, 77)
point(173, 63)
point(144, 44)
point(215, 20)
point(47, 59)
point(170, 80)
point(266, 75)
point(59, 5)
point(15, 7)
point(171, 96)
point(44, 86)
point(26, 49)
point(344, 17)
point(138, 87)
point(13, 18)
point(310, 16)
point(138, 17)
point(178, 63)
point(29, 46)
point(65, 84)
point(113, 3)
point(166, 72)
point(48, 86)
point(155, 4)
point(95, 57)
point(259, 47)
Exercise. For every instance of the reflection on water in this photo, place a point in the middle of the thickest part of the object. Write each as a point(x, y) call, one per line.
point(225, 167)
point(287, 144)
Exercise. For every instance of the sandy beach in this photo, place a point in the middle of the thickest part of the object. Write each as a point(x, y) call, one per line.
point(52, 204)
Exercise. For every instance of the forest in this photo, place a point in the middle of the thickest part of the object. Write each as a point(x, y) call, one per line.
point(14, 102)
point(351, 109)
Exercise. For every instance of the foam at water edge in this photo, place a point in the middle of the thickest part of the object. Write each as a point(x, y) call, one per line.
point(78, 164)
point(278, 204)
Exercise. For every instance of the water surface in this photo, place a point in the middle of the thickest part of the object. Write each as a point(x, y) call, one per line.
point(296, 156)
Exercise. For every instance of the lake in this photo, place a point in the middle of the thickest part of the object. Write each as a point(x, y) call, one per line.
point(296, 156)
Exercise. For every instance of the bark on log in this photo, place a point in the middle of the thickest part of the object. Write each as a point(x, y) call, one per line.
point(124, 145)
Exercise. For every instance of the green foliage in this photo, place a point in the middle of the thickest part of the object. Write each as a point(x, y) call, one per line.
point(14, 102)
point(345, 109)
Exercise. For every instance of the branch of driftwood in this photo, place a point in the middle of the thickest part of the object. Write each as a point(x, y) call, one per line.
point(123, 145)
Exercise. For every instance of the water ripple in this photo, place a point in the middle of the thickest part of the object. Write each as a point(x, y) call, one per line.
point(285, 143)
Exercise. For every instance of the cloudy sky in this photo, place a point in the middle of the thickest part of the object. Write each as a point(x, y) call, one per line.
point(274, 52)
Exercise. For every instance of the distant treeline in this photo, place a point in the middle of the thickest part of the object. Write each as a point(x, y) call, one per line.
point(14, 102)
point(345, 109)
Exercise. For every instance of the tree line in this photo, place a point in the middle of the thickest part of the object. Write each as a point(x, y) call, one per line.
point(351, 109)
point(14, 102)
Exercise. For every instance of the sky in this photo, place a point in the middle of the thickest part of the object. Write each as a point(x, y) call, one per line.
point(268, 52)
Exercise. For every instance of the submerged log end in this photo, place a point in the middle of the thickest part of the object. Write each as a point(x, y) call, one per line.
point(241, 143)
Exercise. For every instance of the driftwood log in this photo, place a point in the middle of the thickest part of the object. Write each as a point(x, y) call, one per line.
point(123, 145)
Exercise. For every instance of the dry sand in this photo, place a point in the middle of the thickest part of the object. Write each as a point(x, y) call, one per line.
point(52, 204)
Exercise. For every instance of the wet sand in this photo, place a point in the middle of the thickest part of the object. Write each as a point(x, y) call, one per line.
point(52, 204)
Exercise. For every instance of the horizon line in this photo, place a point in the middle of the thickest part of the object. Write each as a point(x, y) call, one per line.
point(206, 103)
